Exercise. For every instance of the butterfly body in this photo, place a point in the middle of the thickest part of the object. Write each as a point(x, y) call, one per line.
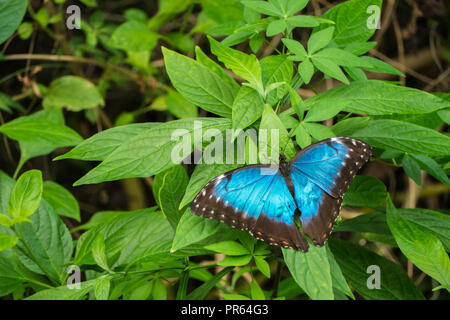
point(262, 199)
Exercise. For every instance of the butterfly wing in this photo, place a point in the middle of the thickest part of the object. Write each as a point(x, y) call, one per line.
point(253, 198)
point(321, 173)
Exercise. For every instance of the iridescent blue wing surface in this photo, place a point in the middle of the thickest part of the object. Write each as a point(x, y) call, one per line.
point(321, 173)
point(254, 198)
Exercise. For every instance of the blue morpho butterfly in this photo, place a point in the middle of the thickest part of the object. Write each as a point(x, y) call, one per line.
point(262, 198)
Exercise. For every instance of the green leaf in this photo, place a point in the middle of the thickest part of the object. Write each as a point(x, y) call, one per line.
point(62, 201)
point(243, 65)
point(64, 292)
point(405, 137)
point(262, 265)
point(318, 131)
point(276, 69)
point(302, 137)
point(202, 174)
point(430, 221)
point(25, 195)
point(216, 68)
point(134, 36)
point(248, 107)
point(6, 183)
point(296, 48)
point(337, 276)
point(319, 40)
point(302, 21)
point(294, 6)
point(432, 167)
point(375, 97)
point(422, 248)
point(365, 191)
point(351, 19)
point(311, 271)
point(179, 106)
point(341, 57)
point(347, 127)
point(228, 247)
point(102, 287)
point(320, 113)
point(373, 222)
point(192, 229)
point(102, 144)
point(11, 15)
point(276, 27)
point(354, 261)
point(151, 239)
point(269, 121)
point(262, 7)
point(40, 133)
point(256, 291)
point(168, 190)
point(99, 251)
point(231, 296)
point(236, 261)
point(73, 93)
point(46, 244)
point(150, 152)
point(329, 68)
point(7, 241)
point(200, 292)
point(377, 65)
point(198, 84)
point(412, 169)
point(13, 275)
point(159, 290)
point(7, 103)
point(306, 70)
point(5, 220)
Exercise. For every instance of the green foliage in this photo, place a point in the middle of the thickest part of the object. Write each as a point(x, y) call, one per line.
point(155, 252)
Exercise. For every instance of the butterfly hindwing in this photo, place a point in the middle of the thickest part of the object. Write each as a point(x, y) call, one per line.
point(254, 198)
point(321, 173)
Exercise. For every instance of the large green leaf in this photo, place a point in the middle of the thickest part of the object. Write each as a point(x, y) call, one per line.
point(431, 221)
point(248, 106)
point(73, 93)
point(365, 191)
point(422, 248)
point(40, 133)
point(405, 137)
point(13, 275)
point(11, 15)
point(62, 201)
point(277, 68)
point(25, 195)
point(64, 292)
point(376, 97)
point(244, 65)
point(198, 84)
point(351, 19)
point(134, 36)
point(46, 244)
point(311, 271)
point(150, 152)
point(193, 229)
point(129, 238)
point(354, 261)
point(100, 145)
point(168, 190)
